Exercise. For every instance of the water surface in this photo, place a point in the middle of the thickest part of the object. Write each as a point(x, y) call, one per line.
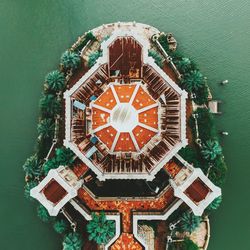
point(33, 34)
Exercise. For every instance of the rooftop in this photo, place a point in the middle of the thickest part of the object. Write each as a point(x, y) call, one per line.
point(125, 118)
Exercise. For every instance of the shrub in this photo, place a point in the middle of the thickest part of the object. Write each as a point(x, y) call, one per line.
point(72, 241)
point(201, 95)
point(205, 124)
point(164, 43)
point(42, 147)
point(215, 204)
point(185, 65)
point(29, 185)
point(157, 57)
point(46, 128)
point(63, 156)
point(55, 81)
point(43, 213)
point(93, 58)
point(50, 106)
point(100, 229)
point(60, 226)
point(50, 164)
point(218, 171)
point(70, 60)
point(189, 245)
point(89, 37)
point(189, 222)
point(32, 167)
point(193, 80)
point(211, 149)
point(190, 155)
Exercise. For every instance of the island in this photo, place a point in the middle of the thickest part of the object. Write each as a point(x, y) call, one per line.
point(127, 155)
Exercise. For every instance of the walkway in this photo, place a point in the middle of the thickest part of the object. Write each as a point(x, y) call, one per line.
point(126, 242)
point(126, 207)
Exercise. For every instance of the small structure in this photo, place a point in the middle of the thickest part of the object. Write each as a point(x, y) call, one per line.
point(172, 43)
point(56, 189)
point(214, 106)
point(196, 190)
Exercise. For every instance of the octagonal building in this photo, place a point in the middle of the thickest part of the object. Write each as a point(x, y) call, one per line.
point(125, 118)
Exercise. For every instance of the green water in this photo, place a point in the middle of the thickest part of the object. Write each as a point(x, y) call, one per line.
point(33, 34)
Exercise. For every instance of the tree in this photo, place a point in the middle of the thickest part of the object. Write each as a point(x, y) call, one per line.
point(29, 185)
point(205, 124)
point(64, 156)
point(218, 171)
point(201, 95)
point(93, 58)
point(55, 81)
point(100, 229)
point(190, 155)
point(185, 65)
point(50, 164)
point(61, 226)
point(157, 57)
point(72, 241)
point(211, 149)
point(215, 203)
point(43, 213)
point(189, 222)
point(46, 128)
point(32, 167)
point(50, 105)
point(70, 60)
point(189, 245)
point(193, 80)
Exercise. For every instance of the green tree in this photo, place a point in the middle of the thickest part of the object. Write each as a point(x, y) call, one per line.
point(61, 226)
point(215, 203)
point(205, 124)
point(50, 105)
point(55, 81)
point(70, 60)
point(29, 185)
point(218, 171)
point(43, 213)
point(185, 65)
point(189, 222)
point(190, 155)
point(189, 245)
point(100, 229)
point(64, 156)
point(211, 149)
point(72, 241)
point(46, 128)
point(201, 95)
point(50, 164)
point(32, 167)
point(93, 58)
point(157, 57)
point(193, 80)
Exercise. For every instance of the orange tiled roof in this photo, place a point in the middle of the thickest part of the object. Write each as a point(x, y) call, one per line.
point(126, 242)
point(172, 168)
point(125, 207)
point(142, 99)
point(145, 117)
